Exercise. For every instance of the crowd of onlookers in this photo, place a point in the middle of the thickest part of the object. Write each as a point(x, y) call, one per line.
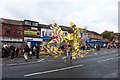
point(10, 50)
point(27, 51)
point(31, 51)
point(15, 52)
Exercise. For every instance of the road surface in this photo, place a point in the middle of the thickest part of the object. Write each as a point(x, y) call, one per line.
point(101, 64)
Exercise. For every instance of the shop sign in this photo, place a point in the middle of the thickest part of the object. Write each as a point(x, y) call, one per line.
point(32, 39)
point(11, 39)
point(33, 28)
point(30, 33)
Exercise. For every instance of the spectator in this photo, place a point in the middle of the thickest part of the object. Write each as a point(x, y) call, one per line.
point(95, 46)
point(30, 52)
point(34, 51)
point(3, 52)
point(12, 51)
point(17, 51)
point(98, 47)
point(26, 52)
point(37, 52)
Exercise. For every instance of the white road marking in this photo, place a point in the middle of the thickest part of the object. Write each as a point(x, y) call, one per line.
point(15, 64)
point(40, 60)
point(24, 63)
point(118, 57)
point(106, 52)
point(50, 60)
point(106, 59)
point(31, 62)
point(95, 53)
point(11, 64)
point(19, 63)
point(44, 72)
point(113, 51)
point(89, 55)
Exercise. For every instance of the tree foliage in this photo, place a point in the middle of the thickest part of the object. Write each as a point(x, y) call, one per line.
point(107, 35)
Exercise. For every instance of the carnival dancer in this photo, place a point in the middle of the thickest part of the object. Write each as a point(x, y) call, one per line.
point(68, 54)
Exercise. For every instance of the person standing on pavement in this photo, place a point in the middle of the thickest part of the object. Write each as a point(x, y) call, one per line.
point(34, 50)
point(98, 47)
point(12, 51)
point(3, 52)
point(31, 52)
point(17, 51)
point(37, 52)
point(26, 52)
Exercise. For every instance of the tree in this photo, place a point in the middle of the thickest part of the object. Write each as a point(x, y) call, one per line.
point(107, 34)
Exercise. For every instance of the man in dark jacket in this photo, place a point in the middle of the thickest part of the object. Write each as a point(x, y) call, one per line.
point(12, 51)
point(37, 52)
point(17, 51)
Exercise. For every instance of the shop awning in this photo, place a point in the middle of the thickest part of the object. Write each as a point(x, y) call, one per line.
point(46, 38)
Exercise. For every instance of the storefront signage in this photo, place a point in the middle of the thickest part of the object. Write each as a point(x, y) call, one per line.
point(30, 33)
point(11, 39)
point(32, 39)
point(46, 38)
point(33, 28)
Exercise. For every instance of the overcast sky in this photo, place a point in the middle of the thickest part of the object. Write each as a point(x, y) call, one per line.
point(96, 15)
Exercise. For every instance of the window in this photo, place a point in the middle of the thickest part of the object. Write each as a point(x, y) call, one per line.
point(50, 34)
point(7, 30)
point(38, 33)
point(89, 35)
point(27, 23)
point(19, 32)
point(43, 33)
point(34, 23)
point(92, 35)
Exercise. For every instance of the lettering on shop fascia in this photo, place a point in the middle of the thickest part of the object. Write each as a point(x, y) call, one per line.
point(34, 28)
point(32, 39)
point(11, 39)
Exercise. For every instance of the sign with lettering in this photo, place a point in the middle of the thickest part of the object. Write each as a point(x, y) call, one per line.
point(11, 39)
point(30, 33)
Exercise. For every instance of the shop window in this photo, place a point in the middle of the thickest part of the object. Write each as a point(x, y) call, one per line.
point(34, 23)
point(50, 34)
point(89, 35)
point(19, 32)
point(38, 33)
point(43, 33)
point(46, 34)
point(7, 30)
point(27, 23)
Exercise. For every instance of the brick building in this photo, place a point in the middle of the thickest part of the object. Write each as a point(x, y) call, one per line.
point(31, 33)
point(11, 32)
point(117, 38)
point(17, 32)
point(93, 35)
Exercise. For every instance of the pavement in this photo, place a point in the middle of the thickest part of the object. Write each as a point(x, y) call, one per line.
point(101, 64)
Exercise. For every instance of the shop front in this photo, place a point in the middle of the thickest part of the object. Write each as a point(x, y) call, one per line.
point(30, 41)
point(17, 42)
point(46, 39)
